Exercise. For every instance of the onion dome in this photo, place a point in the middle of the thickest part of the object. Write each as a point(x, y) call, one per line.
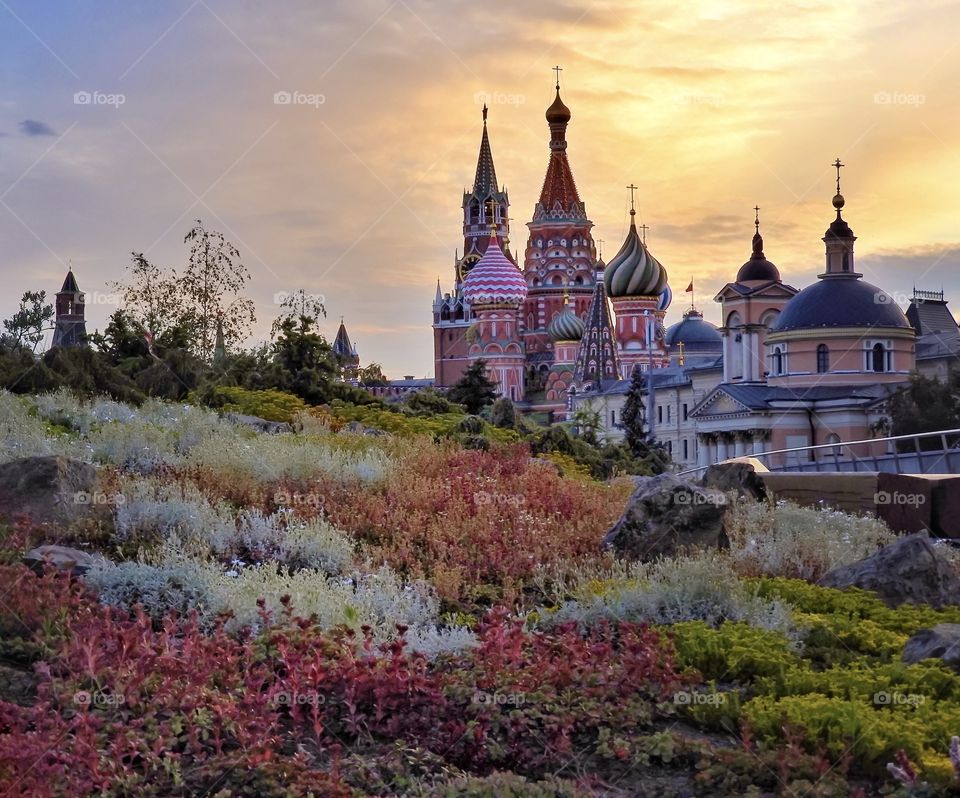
point(840, 302)
point(558, 113)
point(633, 271)
point(494, 279)
point(567, 325)
point(696, 335)
point(666, 298)
point(758, 267)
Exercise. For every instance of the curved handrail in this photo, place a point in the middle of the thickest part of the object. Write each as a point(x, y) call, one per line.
point(914, 437)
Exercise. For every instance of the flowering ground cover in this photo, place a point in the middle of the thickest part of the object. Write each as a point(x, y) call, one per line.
point(324, 612)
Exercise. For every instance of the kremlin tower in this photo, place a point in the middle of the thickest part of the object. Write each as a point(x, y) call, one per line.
point(637, 283)
point(495, 289)
point(71, 328)
point(560, 255)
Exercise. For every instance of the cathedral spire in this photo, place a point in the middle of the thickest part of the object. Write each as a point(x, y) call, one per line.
point(559, 198)
point(597, 355)
point(485, 181)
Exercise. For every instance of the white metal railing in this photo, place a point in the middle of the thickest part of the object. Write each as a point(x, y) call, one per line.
point(919, 461)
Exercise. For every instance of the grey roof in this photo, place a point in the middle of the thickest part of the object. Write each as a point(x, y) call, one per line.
point(840, 300)
point(936, 345)
point(931, 316)
point(695, 334)
point(426, 382)
point(761, 397)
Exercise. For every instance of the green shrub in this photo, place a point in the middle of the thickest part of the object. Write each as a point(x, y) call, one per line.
point(733, 652)
point(271, 405)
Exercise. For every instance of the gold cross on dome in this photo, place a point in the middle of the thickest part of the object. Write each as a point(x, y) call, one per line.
point(558, 69)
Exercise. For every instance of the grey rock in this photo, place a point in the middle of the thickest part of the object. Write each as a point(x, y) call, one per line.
point(909, 571)
point(667, 515)
point(258, 424)
point(942, 642)
point(738, 477)
point(63, 558)
point(51, 491)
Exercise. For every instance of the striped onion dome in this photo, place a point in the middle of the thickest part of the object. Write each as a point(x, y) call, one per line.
point(666, 297)
point(566, 326)
point(494, 279)
point(633, 270)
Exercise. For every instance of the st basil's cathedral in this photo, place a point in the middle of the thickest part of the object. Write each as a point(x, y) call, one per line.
point(545, 329)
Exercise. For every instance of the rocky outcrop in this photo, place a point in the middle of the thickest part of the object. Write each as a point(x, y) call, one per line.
point(258, 424)
point(942, 642)
point(909, 571)
point(666, 515)
point(736, 476)
point(62, 558)
point(51, 491)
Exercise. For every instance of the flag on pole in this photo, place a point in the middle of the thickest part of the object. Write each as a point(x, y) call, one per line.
point(690, 287)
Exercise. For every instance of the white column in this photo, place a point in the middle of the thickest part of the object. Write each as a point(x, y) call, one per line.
point(727, 348)
point(721, 450)
point(703, 451)
point(739, 447)
point(757, 445)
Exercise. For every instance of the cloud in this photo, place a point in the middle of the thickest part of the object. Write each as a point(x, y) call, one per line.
point(31, 127)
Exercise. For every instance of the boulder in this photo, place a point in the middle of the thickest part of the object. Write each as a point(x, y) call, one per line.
point(62, 558)
point(905, 502)
point(258, 424)
point(666, 515)
point(51, 491)
point(737, 476)
point(908, 571)
point(942, 642)
point(356, 428)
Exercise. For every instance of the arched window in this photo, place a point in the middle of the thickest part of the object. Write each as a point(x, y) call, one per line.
point(777, 360)
point(878, 358)
point(823, 359)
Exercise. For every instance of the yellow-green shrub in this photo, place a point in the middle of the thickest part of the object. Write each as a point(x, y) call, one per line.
point(271, 405)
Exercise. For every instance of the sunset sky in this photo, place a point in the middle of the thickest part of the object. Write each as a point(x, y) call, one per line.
point(710, 108)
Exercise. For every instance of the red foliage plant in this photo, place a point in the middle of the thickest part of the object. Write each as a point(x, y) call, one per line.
point(126, 707)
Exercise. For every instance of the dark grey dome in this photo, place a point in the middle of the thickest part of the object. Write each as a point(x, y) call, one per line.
point(840, 301)
point(695, 334)
point(758, 267)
